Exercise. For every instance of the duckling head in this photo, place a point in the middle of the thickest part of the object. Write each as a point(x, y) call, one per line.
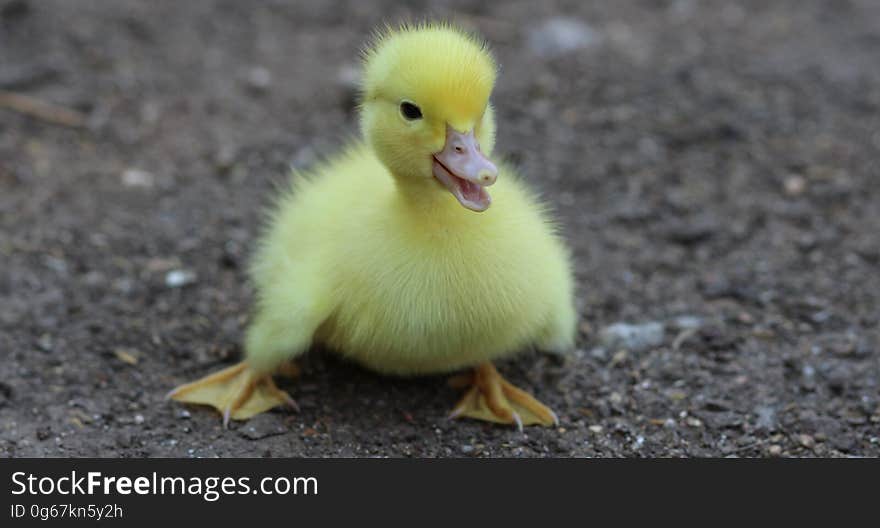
point(425, 110)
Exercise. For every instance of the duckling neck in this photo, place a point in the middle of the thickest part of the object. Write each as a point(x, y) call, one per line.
point(428, 204)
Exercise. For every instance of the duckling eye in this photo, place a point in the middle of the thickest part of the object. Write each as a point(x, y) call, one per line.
point(410, 111)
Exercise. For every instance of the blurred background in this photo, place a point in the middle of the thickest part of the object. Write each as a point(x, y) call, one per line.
point(714, 166)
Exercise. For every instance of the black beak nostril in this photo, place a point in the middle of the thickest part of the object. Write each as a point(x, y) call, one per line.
point(459, 149)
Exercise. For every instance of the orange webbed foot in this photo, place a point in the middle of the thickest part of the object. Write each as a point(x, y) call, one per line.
point(493, 399)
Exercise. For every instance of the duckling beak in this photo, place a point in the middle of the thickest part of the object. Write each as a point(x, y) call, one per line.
point(463, 169)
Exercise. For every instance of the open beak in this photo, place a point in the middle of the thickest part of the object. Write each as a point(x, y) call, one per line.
point(463, 169)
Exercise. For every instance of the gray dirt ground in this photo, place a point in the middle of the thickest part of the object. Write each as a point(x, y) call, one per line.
point(715, 160)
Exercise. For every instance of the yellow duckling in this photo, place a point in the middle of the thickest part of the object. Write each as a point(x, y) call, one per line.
point(391, 255)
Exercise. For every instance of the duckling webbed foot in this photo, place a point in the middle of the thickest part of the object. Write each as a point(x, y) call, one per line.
point(494, 399)
point(238, 392)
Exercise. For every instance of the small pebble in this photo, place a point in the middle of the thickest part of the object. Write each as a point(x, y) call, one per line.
point(560, 35)
point(43, 433)
point(806, 441)
point(795, 185)
point(687, 322)
point(225, 157)
point(632, 337)
point(266, 425)
point(56, 264)
point(138, 419)
point(179, 278)
point(745, 318)
point(599, 353)
point(595, 429)
point(774, 450)
point(126, 355)
point(809, 372)
point(259, 78)
point(694, 422)
point(138, 178)
point(618, 357)
point(45, 343)
point(766, 417)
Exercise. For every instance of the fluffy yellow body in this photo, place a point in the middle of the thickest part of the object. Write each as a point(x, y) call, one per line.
point(404, 281)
